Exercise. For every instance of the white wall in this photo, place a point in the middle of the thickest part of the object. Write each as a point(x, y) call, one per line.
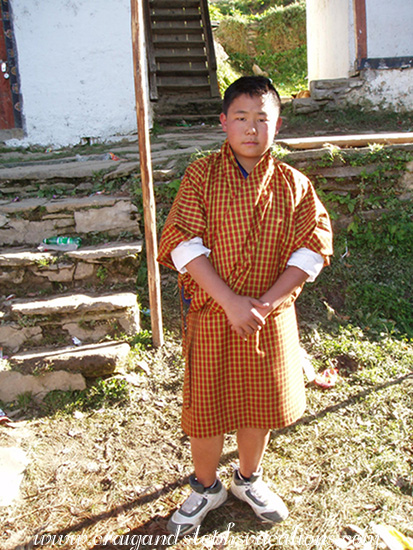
point(330, 43)
point(389, 28)
point(75, 65)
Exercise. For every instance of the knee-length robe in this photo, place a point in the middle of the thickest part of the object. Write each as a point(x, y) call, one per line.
point(252, 226)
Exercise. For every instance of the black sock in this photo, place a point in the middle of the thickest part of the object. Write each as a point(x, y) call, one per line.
point(213, 485)
point(242, 478)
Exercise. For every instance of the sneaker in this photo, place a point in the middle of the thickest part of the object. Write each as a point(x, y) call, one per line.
point(266, 504)
point(192, 512)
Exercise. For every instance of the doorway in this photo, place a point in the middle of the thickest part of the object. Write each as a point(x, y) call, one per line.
point(10, 100)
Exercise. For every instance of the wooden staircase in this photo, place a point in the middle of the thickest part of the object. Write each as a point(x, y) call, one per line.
point(181, 60)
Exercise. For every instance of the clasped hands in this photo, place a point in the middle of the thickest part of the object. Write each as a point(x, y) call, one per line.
point(246, 315)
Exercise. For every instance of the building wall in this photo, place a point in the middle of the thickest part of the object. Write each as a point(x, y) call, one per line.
point(76, 70)
point(386, 78)
point(330, 39)
point(389, 28)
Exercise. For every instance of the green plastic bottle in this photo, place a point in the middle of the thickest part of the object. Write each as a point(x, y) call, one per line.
point(63, 240)
point(62, 244)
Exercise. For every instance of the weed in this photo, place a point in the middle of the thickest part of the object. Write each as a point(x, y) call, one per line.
point(141, 341)
point(25, 400)
point(103, 393)
point(101, 273)
point(46, 261)
point(167, 191)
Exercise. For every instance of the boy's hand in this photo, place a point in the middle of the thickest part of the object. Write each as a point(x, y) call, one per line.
point(244, 315)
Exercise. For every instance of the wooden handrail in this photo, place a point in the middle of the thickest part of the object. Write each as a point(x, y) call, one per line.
point(150, 51)
point(209, 43)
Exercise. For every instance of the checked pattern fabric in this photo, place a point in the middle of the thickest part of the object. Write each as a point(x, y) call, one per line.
point(252, 227)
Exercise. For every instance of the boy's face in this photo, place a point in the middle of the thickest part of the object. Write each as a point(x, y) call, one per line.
point(251, 124)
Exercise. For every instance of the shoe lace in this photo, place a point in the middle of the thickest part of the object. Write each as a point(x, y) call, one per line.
point(261, 491)
point(192, 502)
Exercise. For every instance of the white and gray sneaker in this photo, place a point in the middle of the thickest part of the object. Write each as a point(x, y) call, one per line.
point(267, 505)
point(192, 512)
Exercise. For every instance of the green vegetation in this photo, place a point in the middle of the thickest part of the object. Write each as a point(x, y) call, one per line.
point(264, 34)
point(103, 393)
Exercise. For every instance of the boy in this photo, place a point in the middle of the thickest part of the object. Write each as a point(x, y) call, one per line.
point(245, 232)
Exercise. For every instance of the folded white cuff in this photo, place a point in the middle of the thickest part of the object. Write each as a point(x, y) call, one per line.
point(187, 251)
point(309, 261)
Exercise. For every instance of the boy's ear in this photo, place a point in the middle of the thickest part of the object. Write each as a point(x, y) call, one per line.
point(223, 121)
point(279, 124)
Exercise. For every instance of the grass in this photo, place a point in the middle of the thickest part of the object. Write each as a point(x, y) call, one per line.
point(271, 35)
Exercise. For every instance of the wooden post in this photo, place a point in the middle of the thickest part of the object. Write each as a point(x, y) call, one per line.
point(149, 209)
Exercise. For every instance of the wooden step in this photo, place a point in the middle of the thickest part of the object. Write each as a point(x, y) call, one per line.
point(181, 33)
point(190, 119)
point(176, 26)
point(175, 73)
point(164, 67)
point(185, 90)
point(165, 41)
point(184, 55)
point(176, 16)
point(173, 4)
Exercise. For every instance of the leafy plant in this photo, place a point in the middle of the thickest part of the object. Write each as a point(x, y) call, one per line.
point(103, 393)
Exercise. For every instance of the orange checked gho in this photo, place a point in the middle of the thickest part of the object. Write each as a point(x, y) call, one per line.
point(252, 226)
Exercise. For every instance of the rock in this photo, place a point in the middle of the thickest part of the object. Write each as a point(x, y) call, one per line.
point(123, 170)
point(58, 273)
point(13, 336)
point(109, 250)
point(83, 271)
point(14, 383)
point(64, 170)
point(93, 334)
point(13, 462)
point(123, 216)
point(406, 183)
point(91, 360)
point(306, 105)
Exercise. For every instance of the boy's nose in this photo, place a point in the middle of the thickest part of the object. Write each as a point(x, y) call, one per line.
point(251, 129)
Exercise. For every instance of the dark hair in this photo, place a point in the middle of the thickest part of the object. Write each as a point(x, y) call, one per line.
point(250, 85)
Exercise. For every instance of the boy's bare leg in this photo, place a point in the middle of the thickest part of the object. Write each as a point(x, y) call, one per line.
point(252, 443)
point(206, 453)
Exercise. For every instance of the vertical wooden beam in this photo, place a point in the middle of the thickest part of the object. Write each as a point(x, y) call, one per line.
point(149, 209)
point(361, 30)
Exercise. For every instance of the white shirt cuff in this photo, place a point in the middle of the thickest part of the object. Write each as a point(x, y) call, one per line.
point(307, 260)
point(186, 251)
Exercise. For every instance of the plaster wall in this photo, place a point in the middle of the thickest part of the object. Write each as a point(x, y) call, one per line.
point(330, 42)
point(387, 89)
point(76, 69)
point(389, 28)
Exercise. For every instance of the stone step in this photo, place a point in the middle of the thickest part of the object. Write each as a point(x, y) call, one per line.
point(91, 360)
point(29, 221)
point(64, 319)
point(68, 170)
point(109, 264)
